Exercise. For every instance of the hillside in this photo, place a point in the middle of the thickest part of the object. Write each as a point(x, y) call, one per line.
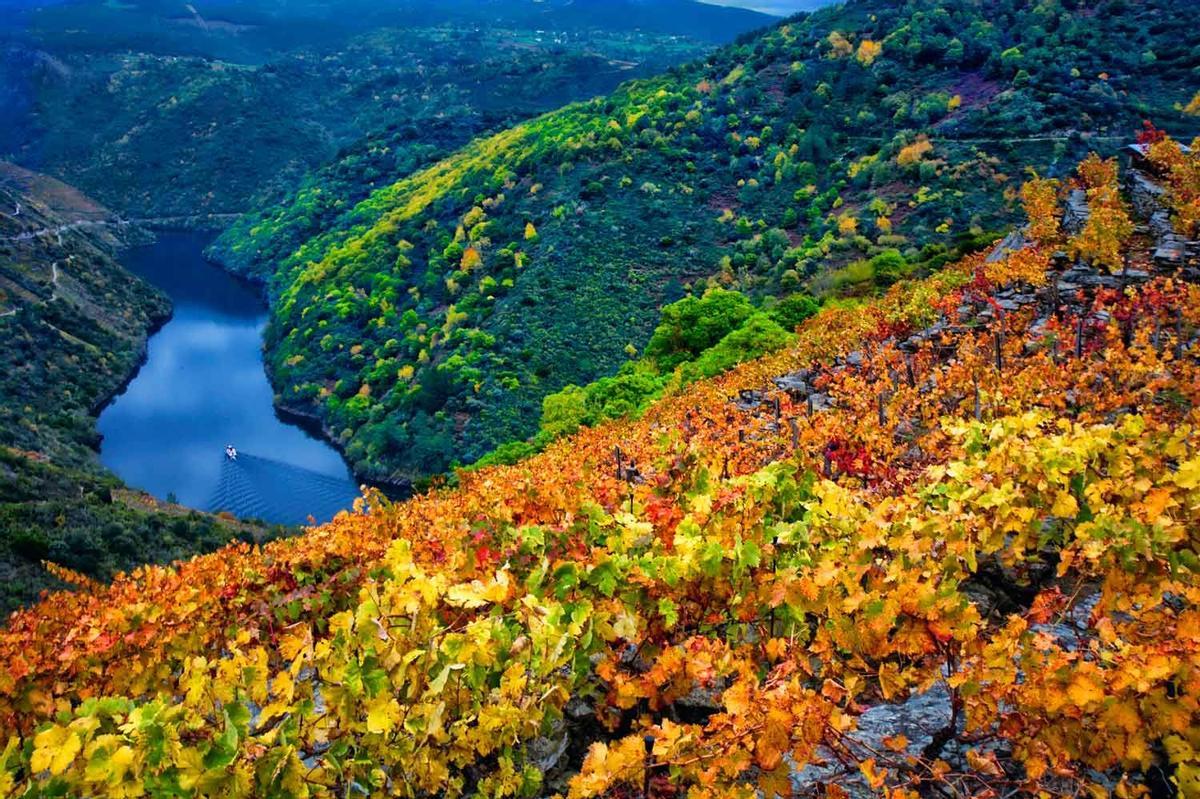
point(74, 326)
point(943, 544)
point(427, 322)
point(158, 111)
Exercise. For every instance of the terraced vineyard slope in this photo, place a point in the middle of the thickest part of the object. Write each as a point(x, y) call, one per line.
point(971, 503)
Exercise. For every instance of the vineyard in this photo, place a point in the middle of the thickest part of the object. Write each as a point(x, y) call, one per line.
point(974, 501)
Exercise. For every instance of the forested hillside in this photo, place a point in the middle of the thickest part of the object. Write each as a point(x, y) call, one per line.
point(833, 155)
point(73, 325)
point(161, 111)
point(945, 543)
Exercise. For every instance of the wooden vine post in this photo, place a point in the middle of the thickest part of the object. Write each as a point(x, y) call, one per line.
point(648, 743)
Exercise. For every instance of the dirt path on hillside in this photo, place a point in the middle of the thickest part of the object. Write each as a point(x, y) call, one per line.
point(78, 224)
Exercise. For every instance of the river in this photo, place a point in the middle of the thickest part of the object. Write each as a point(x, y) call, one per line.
point(204, 386)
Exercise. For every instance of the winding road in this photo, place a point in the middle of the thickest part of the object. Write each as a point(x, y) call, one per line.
point(54, 274)
point(54, 279)
point(78, 224)
point(58, 231)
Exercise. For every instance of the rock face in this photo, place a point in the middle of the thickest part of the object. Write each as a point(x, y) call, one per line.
point(1171, 251)
point(1013, 242)
point(924, 718)
point(1144, 193)
point(1076, 213)
point(919, 718)
point(547, 752)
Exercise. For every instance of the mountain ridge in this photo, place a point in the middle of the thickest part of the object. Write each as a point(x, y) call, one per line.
point(428, 322)
point(145, 109)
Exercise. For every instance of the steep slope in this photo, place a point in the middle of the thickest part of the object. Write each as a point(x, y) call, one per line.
point(427, 325)
point(945, 544)
point(161, 111)
point(74, 327)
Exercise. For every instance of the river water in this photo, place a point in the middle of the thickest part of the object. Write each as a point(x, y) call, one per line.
point(204, 386)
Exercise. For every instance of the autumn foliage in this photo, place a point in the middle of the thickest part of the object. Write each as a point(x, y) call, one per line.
point(1182, 171)
point(1040, 199)
point(1001, 510)
point(1101, 241)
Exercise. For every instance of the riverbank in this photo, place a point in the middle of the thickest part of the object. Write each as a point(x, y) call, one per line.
point(310, 422)
point(314, 425)
point(203, 386)
point(76, 326)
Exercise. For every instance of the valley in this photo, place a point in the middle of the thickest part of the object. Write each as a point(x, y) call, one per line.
point(186, 122)
point(599, 399)
point(202, 387)
point(183, 127)
point(74, 326)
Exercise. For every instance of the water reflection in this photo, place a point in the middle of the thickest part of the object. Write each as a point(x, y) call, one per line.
point(203, 386)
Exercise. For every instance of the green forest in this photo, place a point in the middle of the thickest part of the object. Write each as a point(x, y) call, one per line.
point(827, 157)
point(171, 117)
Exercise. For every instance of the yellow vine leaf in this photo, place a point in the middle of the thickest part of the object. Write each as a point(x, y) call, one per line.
point(476, 594)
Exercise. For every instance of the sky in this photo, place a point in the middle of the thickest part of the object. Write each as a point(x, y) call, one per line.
point(778, 7)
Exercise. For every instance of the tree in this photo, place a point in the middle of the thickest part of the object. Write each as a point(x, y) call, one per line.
point(563, 413)
point(1108, 226)
point(913, 153)
point(1193, 108)
point(1182, 171)
point(793, 310)
point(757, 336)
point(1040, 198)
point(471, 259)
point(868, 51)
point(839, 45)
point(693, 324)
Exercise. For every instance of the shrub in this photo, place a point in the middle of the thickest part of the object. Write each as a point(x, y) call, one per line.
point(759, 335)
point(564, 412)
point(507, 454)
point(791, 311)
point(888, 266)
point(692, 325)
point(31, 545)
point(622, 395)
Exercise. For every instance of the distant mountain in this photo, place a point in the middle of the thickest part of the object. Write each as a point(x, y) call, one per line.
point(778, 8)
point(279, 25)
point(161, 108)
point(677, 17)
point(427, 322)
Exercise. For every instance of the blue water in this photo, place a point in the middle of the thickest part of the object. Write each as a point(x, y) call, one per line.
point(203, 386)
